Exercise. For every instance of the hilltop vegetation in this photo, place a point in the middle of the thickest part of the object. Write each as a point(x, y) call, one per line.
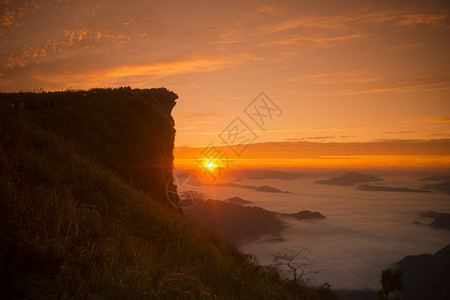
point(83, 211)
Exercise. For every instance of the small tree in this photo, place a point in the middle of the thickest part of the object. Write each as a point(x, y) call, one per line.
point(391, 281)
point(295, 263)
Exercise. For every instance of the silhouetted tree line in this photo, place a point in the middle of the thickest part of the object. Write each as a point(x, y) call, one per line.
point(391, 281)
point(40, 99)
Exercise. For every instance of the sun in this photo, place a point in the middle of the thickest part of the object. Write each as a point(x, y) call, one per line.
point(210, 165)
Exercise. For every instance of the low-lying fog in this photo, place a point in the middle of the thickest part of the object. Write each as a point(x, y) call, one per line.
point(363, 233)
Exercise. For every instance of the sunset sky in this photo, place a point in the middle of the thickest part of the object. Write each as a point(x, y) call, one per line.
point(359, 83)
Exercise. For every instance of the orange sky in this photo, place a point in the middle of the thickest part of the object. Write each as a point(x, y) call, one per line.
point(347, 75)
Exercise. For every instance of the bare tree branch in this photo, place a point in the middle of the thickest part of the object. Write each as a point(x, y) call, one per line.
point(294, 261)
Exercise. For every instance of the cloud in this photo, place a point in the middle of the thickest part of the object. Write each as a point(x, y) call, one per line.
point(257, 131)
point(200, 117)
point(319, 138)
point(398, 132)
point(13, 12)
point(316, 22)
point(163, 69)
point(266, 8)
point(408, 45)
point(295, 149)
point(315, 138)
point(332, 128)
point(433, 81)
point(434, 120)
point(434, 20)
point(106, 73)
point(59, 45)
point(357, 18)
point(389, 153)
point(335, 78)
point(229, 33)
point(297, 39)
point(439, 120)
point(224, 42)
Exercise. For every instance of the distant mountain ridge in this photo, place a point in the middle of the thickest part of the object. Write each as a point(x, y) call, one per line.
point(264, 188)
point(437, 178)
point(441, 220)
point(442, 186)
point(306, 214)
point(374, 188)
point(349, 179)
point(237, 200)
point(262, 174)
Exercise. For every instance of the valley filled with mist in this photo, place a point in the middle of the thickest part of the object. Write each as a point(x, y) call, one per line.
point(363, 232)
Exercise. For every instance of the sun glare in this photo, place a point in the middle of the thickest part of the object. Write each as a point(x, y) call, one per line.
point(210, 165)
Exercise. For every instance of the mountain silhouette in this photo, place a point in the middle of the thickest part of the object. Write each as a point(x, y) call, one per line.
point(349, 179)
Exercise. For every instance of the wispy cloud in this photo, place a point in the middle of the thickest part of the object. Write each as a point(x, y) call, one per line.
point(229, 33)
point(320, 138)
point(430, 120)
point(428, 19)
point(294, 40)
point(436, 80)
point(335, 78)
point(299, 130)
point(163, 69)
point(224, 42)
point(266, 8)
point(343, 21)
point(64, 72)
point(398, 132)
point(258, 131)
point(312, 138)
point(333, 128)
point(200, 116)
point(296, 149)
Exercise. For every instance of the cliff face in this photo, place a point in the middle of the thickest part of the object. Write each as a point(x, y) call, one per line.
point(131, 131)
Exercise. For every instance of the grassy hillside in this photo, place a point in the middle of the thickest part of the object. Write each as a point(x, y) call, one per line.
point(83, 215)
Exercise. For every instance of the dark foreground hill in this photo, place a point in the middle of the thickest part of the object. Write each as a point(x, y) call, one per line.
point(426, 276)
point(234, 222)
point(238, 224)
point(83, 213)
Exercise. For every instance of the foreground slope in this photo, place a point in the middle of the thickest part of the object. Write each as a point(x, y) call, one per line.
point(83, 214)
